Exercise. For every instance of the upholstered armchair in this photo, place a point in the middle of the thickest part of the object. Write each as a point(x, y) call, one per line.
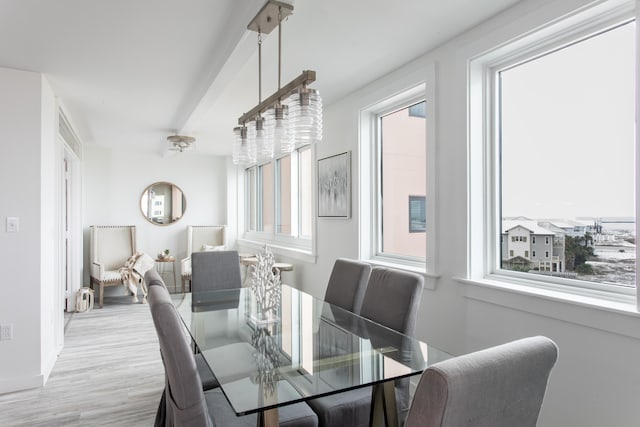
point(111, 247)
point(201, 238)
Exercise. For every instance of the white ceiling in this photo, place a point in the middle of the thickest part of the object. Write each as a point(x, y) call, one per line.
point(131, 72)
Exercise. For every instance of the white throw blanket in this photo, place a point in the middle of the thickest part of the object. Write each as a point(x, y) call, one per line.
point(133, 273)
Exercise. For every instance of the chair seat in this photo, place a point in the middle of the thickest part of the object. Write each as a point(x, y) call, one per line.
point(111, 276)
point(352, 408)
point(296, 415)
point(209, 381)
point(186, 269)
point(341, 409)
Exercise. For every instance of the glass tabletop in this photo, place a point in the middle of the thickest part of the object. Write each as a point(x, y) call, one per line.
point(307, 349)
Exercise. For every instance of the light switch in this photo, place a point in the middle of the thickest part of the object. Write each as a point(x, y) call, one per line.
point(12, 224)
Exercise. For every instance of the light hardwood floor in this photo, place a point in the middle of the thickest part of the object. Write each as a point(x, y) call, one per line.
point(109, 373)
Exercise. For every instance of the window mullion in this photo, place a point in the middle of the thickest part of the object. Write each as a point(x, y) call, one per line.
point(295, 195)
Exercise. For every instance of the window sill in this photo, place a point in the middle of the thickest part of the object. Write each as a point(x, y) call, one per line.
point(430, 279)
point(278, 249)
point(617, 314)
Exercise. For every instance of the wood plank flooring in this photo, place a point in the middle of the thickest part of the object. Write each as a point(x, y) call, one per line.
point(109, 373)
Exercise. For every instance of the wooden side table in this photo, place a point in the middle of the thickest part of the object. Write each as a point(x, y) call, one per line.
point(161, 264)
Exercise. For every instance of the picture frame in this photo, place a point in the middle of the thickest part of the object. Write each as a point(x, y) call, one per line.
point(334, 186)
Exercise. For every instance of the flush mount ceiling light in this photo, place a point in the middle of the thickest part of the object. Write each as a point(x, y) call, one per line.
point(180, 142)
point(290, 117)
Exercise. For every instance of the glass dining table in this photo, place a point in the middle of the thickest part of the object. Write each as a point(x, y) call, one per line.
point(306, 349)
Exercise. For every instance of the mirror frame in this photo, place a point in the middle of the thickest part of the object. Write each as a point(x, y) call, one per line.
point(146, 190)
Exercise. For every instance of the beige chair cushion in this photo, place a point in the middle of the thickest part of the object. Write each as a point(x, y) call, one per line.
point(111, 275)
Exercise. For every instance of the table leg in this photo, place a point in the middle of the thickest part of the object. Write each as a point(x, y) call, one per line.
point(384, 410)
point(390, 405)
point(268, 418)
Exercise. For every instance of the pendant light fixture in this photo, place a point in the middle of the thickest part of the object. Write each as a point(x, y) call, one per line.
point(278, 115)
point(290, 117)
point(243, 151)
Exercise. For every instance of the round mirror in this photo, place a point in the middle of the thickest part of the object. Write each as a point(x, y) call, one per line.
point(163, 203)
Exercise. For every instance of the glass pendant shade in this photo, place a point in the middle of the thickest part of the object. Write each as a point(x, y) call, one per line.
point(243, 150)
point(305, 117)
point(260, 139)
point(278, 129)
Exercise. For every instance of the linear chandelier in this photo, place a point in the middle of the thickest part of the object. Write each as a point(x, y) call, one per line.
point(291, 117)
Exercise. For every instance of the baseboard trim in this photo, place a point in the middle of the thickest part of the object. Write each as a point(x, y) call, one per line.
point(23, 383)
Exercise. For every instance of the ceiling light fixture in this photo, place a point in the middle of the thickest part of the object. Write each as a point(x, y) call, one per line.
point(290, 117)
point(180, 142)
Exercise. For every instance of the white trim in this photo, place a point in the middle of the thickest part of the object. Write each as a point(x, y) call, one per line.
point(616, 317)
point(11, 385)
point(433, 197)
point(278, 249)
point(637, 8)
point(483, 216)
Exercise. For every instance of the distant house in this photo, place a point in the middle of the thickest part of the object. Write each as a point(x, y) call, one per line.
point(525, 239)
point(571, 228)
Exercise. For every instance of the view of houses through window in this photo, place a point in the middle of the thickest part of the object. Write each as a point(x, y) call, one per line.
point(567, 160)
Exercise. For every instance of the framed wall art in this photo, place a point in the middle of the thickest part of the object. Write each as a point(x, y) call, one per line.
point(334, 186)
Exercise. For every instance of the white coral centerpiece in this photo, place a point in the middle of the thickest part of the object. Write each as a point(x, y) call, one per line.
point(267, 360)
point(265, 284)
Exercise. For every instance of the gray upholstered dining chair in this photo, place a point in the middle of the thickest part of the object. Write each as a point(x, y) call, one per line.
point(392, 299)
point(347, 284)
point(186, 403)
point(215, 270)
point(152, 278)
point(201, 238)
point(498, 386)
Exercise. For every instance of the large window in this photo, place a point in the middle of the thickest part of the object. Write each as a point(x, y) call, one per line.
point(561, 133)
point(278, 200)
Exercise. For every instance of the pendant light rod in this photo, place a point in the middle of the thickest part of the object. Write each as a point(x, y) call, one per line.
point(279, 45)
point(259, 67)
point(307, 77)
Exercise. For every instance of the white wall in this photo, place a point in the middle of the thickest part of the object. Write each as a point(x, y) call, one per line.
point(114, 181)
point(596, 381)
point(27, 174)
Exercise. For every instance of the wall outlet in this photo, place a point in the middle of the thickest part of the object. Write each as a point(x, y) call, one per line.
point(6, 332)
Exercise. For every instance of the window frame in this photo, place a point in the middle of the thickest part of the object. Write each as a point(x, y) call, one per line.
point(402, 103)
point(484, 222)
point(287, 244)
point(391, 99)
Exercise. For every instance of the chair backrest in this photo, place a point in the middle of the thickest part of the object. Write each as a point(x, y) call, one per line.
point(347, 284)
point(210, 235)
point(392, 299)
point(186, 404)
point(499, 386)
point(215, 270)
point(112, 245)
point(153, 278)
